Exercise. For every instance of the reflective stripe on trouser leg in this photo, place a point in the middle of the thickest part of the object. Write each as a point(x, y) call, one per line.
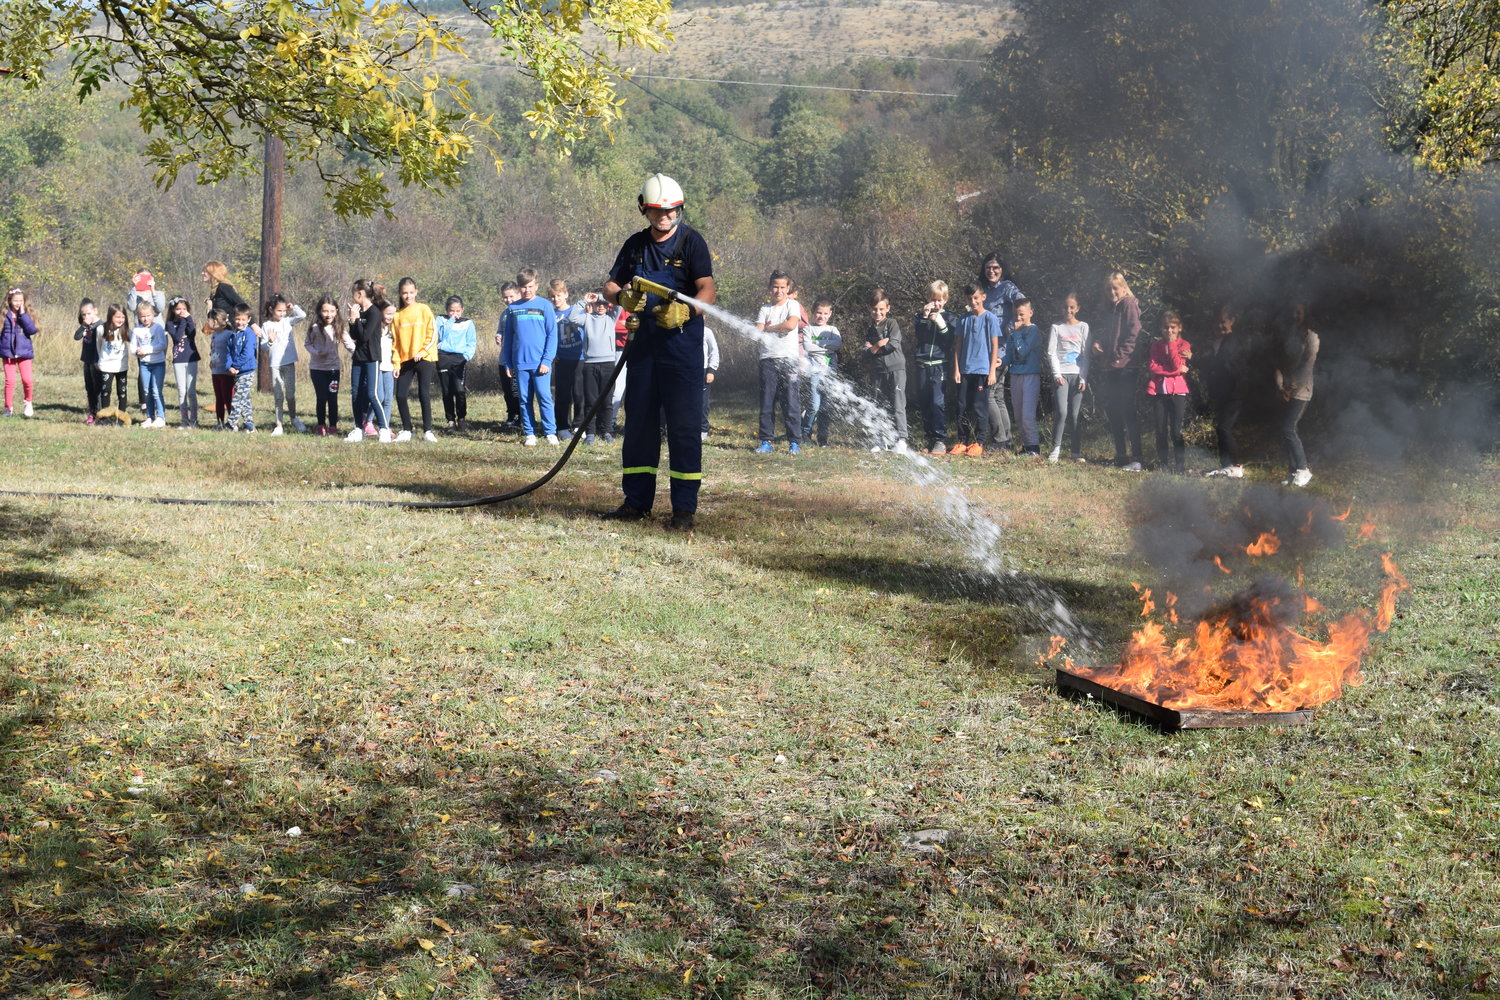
point(681, 392)
point(640, 451)
point(652, 390)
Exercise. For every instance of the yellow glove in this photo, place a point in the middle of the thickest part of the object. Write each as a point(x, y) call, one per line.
point(631, 300)
point(671, 315)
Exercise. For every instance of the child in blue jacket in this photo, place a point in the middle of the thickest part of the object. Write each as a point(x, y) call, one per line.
point(241, 356)
point(529, 332)
point(456, 343)
point(1024, 347)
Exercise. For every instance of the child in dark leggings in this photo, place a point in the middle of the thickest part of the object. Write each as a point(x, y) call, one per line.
point(1168, 384)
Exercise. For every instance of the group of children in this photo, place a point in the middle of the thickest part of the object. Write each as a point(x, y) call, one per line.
point(556, 359)
point(963, 365)
point(389, 346)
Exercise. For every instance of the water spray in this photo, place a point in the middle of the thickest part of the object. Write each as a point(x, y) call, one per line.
point(961, 516)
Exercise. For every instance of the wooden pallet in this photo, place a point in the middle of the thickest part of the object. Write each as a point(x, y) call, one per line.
point(1173, 719)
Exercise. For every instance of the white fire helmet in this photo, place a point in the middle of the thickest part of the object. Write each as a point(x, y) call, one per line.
point(659, 191)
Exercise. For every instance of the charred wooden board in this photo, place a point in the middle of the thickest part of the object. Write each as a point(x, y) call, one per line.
point(1173, 719)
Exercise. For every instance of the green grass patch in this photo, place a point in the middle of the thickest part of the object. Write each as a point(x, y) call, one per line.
point(530, 754)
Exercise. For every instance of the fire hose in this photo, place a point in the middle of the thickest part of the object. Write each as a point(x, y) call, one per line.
point(632, 324)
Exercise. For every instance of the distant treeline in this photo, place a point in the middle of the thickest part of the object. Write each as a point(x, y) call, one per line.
point(1214, 152)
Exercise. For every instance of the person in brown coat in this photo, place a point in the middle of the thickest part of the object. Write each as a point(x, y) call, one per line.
point(1116, 369)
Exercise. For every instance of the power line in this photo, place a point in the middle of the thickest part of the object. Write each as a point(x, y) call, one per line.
point(792, 86)
point(702, 121)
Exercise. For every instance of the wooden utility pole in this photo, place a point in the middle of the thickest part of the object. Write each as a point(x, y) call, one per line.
point(270, 243)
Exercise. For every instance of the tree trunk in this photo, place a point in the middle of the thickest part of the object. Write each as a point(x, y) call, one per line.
point(270, 242)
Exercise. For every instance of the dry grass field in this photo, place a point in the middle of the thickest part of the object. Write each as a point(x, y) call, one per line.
point(716, 38)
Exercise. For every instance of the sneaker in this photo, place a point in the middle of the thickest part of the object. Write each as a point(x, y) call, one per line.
point(1080, 460)
point(1216, 472)
point(357, 434)
point(764, 449)
point(937, 449)
point(974, 450)
point(1132, 467)
point(429, 437)
point(682, 520)
point(451, 426)
point(9, 412)
point(250, 429)
point(530, 441)
point(876, 450)
point(609, 439)
point(900, 448)
point(386, 437)
point(588, 439)
point(959, 449)
point(563, 435)
point(793, 449)
point(462, 425)
point(369, 429)
point(1235, 472)
point(1301, 477)
point(703, 436)
point(552, 439)
point(27, 410)
point(276, 431)
point(1054, 455)
point(320, 431)
point(403, 437)
point(626, 512)
point(89, 419)
point(299, 426)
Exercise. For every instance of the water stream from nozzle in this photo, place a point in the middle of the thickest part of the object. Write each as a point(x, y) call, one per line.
point(960, 516)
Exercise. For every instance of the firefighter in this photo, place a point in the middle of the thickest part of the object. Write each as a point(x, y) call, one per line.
point(665, 360)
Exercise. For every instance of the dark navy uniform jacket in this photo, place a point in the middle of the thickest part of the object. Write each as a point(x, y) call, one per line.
point(677, 262)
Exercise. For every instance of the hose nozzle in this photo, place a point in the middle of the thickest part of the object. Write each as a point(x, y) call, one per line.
point(652, 288)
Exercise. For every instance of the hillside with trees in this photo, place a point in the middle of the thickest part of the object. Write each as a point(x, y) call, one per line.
point(1215, 152)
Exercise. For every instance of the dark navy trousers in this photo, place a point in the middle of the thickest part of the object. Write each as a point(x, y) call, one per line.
point(653, 390)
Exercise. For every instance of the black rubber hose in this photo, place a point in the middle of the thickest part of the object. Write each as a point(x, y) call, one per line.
point(531, 487)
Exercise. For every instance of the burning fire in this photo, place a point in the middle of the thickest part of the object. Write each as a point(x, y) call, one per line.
point(1254, 652)
point(1266, 545)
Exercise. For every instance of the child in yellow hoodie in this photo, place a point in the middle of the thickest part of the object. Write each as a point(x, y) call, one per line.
point(414, 351)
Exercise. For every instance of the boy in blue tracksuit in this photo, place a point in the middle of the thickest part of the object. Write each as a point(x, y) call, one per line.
point(1024, 348)
point(242, 346)
point(529, 331)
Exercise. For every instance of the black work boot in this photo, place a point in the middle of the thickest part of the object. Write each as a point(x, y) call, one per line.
point(682, 520)
point(625, 512)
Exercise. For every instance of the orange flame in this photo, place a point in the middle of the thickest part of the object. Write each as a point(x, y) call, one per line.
point(1342, 517)
point(1251, 660)
point(1366, 531)
point(1395, 583)
point(1266, 545)
point(1220, 563)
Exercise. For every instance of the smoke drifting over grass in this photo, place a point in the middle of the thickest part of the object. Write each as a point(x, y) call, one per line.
point(1196, 540)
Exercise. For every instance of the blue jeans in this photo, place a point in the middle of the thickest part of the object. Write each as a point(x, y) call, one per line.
point(813, 403)
point(1296, 458)
point(779, 383)
point(153, 374)
point(364, 390)
point(539, 387)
